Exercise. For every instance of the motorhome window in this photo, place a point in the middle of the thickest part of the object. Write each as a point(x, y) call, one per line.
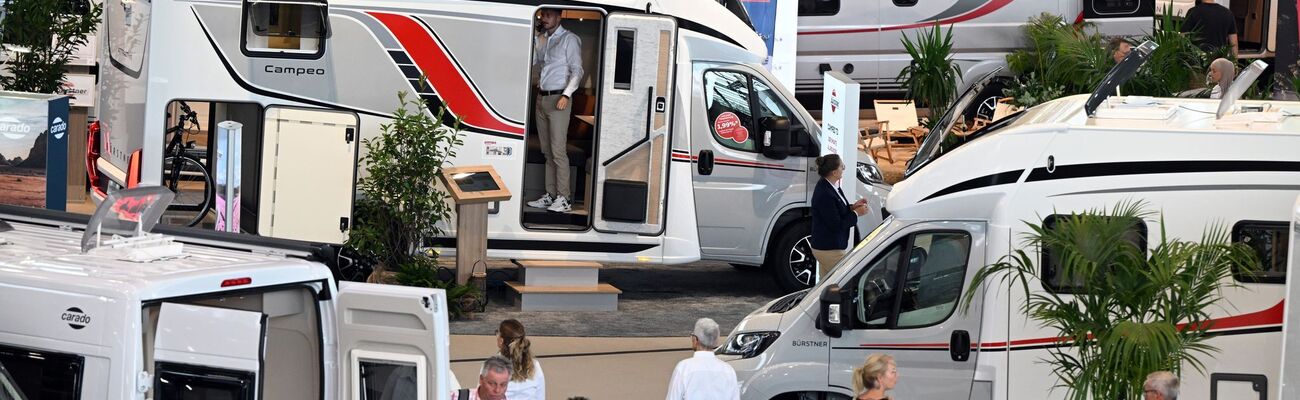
point(38, 374)
point(1110, 7)
point(625, 48)
point(388, 380)
point(188, 382)
point(1050, 263)
point(284, 28)
point(1269, 240)
point(875, 288)
point(727, 95)
point(810, 8)
point(934, 278)
point(769, 102)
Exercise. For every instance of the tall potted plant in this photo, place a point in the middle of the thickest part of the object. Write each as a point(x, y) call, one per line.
point(400, 203)
point(931, 77)
point(39, 38)
point(1130, 313)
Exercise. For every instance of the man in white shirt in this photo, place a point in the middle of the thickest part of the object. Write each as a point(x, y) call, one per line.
point(704, 376)
point(557, 53)
point(493, 379)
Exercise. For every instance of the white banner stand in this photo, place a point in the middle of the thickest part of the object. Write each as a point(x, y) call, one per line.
point(782, 59)
point(839, 133)
point(227, 175)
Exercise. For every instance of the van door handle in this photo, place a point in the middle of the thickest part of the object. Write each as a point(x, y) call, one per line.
point(959, 346)
point(705, 163)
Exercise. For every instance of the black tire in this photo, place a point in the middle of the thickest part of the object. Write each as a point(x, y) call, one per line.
point(985, 101)
point(747, 268)
point(790, 259)
point(192, 183)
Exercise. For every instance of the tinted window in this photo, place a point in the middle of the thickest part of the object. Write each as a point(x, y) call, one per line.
point(1050, 263)
point(926, 291)
point(905, 3)
point(727, 97)
point(1270, 241)
point(623, 59)
point(187, 382)
point(388, 380)
point(292, 28)
point(40, 374)
point(818, 7)
point(1104, 7)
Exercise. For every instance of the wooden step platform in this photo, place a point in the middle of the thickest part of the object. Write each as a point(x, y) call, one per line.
point(600, 297)
point(562, 286)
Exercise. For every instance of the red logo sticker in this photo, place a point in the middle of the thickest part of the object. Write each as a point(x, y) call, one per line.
point(728, 126)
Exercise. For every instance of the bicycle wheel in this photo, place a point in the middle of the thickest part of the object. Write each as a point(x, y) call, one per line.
point(192, 183)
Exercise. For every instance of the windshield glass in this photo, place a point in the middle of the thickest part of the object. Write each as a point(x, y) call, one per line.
point(8, 388)
point(941, 132)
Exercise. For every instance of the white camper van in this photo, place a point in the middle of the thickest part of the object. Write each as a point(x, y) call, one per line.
point(964, 206)
point(87, 314)
point(1290, 386)
point(672, 154)
point(1256, 23)
point(863, 38)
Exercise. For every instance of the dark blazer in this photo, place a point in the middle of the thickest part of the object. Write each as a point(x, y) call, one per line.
point(831, 217)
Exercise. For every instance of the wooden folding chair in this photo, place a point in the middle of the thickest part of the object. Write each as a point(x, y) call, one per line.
point(873, 148)
point(899, 117)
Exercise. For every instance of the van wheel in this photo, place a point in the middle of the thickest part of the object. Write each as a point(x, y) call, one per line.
point(791, 259)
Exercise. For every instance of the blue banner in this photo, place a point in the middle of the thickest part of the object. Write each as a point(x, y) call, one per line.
point(763, 14)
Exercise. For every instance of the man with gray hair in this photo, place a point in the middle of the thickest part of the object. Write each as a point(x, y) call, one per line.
point(1160, 385)
point(703, 376)
point(492, 381)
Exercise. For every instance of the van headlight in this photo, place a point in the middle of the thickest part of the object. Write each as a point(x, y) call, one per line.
point(748, 344)
point(870, 173)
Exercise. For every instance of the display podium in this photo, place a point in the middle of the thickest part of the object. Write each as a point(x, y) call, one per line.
point(472, 188)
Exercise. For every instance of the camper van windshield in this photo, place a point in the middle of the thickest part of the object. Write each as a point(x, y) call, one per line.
point(935, 145)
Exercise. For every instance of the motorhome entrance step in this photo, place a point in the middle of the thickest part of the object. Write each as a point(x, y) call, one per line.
point(600, 297)
point(537, 216)
point(558, 273)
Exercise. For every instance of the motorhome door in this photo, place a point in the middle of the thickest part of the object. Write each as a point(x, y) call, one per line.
point(208, 353)
point(393, 342)
point(905, 302)
point(633, 122)
point(1290, 371)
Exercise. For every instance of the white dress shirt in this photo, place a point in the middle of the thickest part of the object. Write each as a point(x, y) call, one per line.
point(560, 57)
point(703, 377)
point(532, 389)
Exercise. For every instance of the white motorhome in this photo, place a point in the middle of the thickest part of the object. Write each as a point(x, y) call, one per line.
point(965, 205)
point(1290, 385)
point(863, 38)
point(86, 315)
point(1256, 23)
point(655, 181)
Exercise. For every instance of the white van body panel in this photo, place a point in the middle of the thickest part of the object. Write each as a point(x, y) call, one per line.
point(1053, 159)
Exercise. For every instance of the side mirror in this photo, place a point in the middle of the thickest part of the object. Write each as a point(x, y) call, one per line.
point(776, 137)
point(831, 318)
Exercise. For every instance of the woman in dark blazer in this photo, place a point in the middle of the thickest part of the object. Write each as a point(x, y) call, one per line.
point(832, 215)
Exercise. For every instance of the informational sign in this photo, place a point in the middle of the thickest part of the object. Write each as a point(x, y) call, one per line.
point(34, 150)
point(728, 126)
point(839, 133)
point(80, 89)
point(776, 21)
point(229, 151)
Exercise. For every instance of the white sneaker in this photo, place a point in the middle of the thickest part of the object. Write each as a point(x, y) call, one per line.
point(560, 205)
point(543, 202)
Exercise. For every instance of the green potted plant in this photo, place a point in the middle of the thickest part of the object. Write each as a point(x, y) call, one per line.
point(931, 77)
point(38, 38)
point(401, 203)
point(1132, 311)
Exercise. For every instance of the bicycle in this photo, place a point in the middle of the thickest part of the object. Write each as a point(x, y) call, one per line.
point(183, 173)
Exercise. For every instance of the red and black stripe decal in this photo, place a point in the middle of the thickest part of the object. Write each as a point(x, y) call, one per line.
point(684, 156)
point(447, 84)
point(976, 12)
point(1263, 321)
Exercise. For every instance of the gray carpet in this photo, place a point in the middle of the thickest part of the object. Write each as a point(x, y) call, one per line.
point(657, 300)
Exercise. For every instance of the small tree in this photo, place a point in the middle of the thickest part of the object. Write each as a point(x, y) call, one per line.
point(401, 203)
point(931, 77)
point(1131, 314)
point(42, 35)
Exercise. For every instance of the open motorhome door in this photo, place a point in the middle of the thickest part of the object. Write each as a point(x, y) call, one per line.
point(1290, 371)
point(208, 353)
point(393, 342)
point(633, 123)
